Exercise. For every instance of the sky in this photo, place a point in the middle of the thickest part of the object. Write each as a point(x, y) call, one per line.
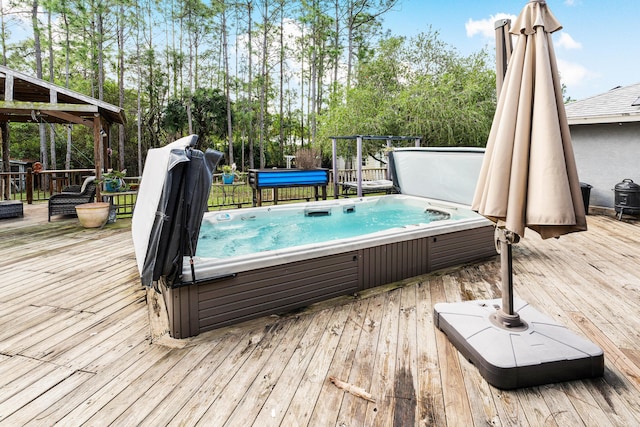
point(597, 49)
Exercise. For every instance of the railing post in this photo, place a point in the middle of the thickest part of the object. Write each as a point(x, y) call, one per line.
point(334, 165)
point(29, 185)
point(359, 170)
point(49, 180)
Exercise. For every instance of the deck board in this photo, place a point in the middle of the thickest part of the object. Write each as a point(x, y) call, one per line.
point(75, 344)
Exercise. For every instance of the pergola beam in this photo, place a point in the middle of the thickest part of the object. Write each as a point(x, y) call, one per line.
point(22, 106)
point(68, 117)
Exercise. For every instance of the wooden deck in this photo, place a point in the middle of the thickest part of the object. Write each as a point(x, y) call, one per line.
point(75, 345)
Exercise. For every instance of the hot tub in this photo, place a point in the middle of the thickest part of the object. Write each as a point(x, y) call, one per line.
point(211, 290)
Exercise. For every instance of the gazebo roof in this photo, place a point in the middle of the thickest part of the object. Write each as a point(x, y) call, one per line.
point(27, 99)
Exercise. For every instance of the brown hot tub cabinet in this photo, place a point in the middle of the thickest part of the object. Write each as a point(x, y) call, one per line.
point(211, 304)
point(204, 293)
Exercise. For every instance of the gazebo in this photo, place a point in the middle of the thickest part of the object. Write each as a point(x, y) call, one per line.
point(28, 99)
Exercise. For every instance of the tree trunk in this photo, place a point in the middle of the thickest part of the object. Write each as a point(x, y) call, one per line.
point(44, 156)
point(190, 81)
point(263, 87)
point(139, 94)
point(281, 110)
point(227, 89)
point(349, 45)
point(65, 19)
point(236, 92)
point(250, 88)
point(100, 39)
point(302, 89)
point(3, 33)
point(52, 129)
point(313, 63)
point(336, 43)
point(121, 134)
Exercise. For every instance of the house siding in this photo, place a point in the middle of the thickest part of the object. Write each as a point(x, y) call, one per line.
point(605, 155)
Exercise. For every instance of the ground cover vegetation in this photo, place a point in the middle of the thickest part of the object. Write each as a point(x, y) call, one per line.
point(256, 79)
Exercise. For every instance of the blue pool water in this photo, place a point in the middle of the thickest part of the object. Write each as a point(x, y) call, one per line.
point(248, 234)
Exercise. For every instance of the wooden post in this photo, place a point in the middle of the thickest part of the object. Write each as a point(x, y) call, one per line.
point(334, 159)
point(29, 185)
point(97, 152)
point(359, 151)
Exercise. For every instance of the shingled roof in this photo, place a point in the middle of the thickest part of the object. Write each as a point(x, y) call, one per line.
point(619, 105)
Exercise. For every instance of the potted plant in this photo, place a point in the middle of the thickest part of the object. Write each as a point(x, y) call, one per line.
point(228, 173)
point(114, 180)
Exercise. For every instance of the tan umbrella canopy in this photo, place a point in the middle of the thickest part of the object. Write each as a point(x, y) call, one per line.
point(528, 179)
point(529, 176)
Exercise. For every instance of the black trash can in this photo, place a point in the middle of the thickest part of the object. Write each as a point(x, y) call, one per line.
point(586, 194)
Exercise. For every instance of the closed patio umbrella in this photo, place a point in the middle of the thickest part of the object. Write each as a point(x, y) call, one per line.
point(529, 177)
point(528, 180)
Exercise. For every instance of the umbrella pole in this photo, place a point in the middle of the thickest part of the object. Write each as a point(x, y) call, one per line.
point(506, 316)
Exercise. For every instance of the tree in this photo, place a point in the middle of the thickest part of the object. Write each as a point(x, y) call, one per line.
point(174, 118)
point(444, 98)
point(209, 114)
point(361, 17)
point(307, 66)
point(38, 55)
point(227, 86)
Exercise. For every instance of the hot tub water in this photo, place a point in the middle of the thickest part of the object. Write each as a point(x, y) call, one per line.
point(227, 236)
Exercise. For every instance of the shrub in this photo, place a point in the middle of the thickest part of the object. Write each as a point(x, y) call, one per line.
point(307, 158)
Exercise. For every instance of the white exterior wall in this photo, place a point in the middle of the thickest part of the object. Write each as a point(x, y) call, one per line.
point(605, 155)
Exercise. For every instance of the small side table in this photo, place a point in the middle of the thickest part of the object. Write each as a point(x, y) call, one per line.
point(118, 206)
point(228, 191)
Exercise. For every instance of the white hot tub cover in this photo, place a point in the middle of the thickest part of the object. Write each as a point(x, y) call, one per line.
point(441, 173)
point(171, 201)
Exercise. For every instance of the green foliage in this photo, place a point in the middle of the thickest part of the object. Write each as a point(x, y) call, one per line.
point(25, 143)
point(209, 113)
point(417, 87)
point(394, 86)
point(174, 117)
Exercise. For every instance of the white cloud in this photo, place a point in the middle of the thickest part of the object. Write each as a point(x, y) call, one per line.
point(570, 2)
point(573, 74)
point(567, 42)
point(485, 27)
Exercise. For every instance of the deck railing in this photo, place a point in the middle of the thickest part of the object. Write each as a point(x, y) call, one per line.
point(30, 186)
point(33, 187)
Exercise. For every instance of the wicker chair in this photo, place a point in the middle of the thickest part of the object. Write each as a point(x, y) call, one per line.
point(65, 202)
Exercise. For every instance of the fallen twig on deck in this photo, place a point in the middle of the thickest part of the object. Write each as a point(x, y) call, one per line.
point(356, 391)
